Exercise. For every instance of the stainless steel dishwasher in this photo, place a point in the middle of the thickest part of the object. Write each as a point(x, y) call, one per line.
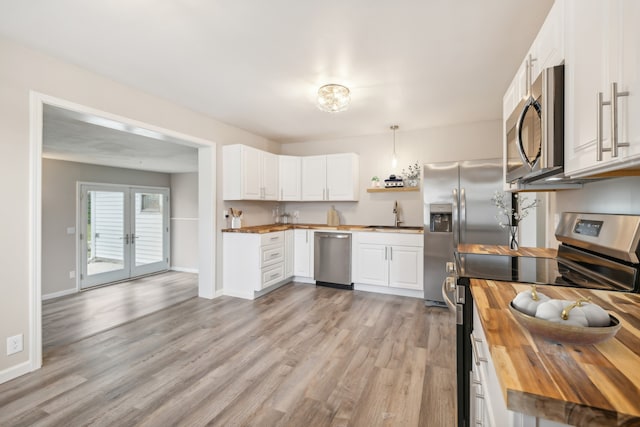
point(332, 260)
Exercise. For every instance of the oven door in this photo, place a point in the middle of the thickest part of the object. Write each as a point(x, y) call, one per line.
point(462, 306)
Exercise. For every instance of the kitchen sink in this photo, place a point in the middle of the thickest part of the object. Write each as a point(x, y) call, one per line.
point(391, 227)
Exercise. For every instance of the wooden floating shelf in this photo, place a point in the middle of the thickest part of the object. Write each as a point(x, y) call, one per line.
point(392, 189)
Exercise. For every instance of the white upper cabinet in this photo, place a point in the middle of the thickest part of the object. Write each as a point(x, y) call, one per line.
point(252, 174)
point(249, 173)
point(290, 170)
point(314, 178)
point(330, 177)
point(601, 51)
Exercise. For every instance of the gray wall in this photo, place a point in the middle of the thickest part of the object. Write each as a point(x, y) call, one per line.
point(59, 207)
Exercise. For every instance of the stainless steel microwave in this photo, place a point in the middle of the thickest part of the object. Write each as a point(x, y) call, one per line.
point(535, 130)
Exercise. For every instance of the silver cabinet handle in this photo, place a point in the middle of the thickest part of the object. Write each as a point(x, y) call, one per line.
point(614, 119)
point(328, 194)
point(474, 350)
point(391, 253)
point(615, 143)
point(274, 275)
point(385, 252)
point(599, 148)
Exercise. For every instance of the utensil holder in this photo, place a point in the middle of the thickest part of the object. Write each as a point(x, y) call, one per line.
point(236, 222)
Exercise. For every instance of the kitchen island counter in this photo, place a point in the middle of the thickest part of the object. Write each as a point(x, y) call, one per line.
point(574, 384)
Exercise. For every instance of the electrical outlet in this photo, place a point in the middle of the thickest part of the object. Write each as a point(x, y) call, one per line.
point(14, 344)
point(72, 274)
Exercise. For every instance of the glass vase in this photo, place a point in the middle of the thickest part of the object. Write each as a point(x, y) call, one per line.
point(513, 237)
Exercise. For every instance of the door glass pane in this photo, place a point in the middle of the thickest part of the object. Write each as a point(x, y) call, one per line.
point(105, 231)
point(148, 226)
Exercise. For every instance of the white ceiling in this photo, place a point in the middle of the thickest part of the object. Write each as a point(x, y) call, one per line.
point(257, 64)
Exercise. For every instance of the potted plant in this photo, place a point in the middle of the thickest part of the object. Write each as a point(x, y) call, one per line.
point(375, 182)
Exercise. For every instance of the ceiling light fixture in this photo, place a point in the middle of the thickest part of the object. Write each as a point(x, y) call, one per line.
point(333, 98)
point(394, 159)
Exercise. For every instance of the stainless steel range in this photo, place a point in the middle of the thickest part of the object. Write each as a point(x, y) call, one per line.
point(597, 251)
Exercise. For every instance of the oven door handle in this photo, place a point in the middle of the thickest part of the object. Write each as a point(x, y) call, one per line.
point(448, 285)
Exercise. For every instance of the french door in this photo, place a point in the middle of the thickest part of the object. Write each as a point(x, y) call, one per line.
point(124, 232)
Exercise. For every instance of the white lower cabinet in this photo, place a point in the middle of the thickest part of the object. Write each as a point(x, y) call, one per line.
point(488, 405)
point(289, 252)
point(253, 263)
point(303, 254)
point(388, 259)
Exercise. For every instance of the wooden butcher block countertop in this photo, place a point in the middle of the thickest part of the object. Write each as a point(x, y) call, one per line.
point(269, 228)
point(584, 385)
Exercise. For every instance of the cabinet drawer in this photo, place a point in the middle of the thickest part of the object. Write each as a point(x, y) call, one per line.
point(272, 238)
point(271, 254)
point(272, 275)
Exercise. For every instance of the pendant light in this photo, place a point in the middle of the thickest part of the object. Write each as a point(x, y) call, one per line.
point(394, 159)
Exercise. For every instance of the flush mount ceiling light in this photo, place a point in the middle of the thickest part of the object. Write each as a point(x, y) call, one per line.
point(333, 98)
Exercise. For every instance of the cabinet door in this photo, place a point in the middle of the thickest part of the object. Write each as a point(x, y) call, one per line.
point(405, 267)
point(290, 173)
point(586, 74)
point(342, 177)
point(314, 173)
point(302, 253)
point(251, 173)
point(626, 72)
point(372, 265)
point(269, 176)
point(289, 245)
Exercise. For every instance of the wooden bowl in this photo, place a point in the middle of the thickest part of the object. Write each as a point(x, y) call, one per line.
point(569, 334)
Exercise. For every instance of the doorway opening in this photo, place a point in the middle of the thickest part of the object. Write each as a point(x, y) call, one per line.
point(206, 196)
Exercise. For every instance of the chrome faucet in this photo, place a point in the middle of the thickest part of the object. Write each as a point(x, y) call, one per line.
point(396, 215)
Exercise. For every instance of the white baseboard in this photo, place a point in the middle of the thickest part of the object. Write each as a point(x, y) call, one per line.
point(15, 371)
point(218, 293)
point(59, 294)
point(389, 291)
point(184, 270)
point(299, 279)
point(243, 295)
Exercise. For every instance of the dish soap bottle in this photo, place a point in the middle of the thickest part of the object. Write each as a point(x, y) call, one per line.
point(332, 217)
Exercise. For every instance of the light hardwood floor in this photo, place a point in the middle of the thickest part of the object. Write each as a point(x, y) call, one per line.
point(300, 356)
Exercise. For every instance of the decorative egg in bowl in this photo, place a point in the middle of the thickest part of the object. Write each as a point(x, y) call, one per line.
point(569, 322)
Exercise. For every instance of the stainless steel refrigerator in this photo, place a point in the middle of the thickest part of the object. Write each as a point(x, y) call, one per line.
point(458, 209)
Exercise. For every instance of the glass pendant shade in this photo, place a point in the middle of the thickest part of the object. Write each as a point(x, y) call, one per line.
point(333, 98)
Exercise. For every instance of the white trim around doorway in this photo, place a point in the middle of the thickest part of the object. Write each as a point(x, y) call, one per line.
point(206, 214)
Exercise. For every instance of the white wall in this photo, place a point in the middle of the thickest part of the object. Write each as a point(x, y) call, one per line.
point(59, 206)
point(481, 140)
point(24, 70)
point(184, 221)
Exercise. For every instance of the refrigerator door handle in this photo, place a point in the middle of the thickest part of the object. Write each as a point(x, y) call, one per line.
point(456, 237)
point(463, 215)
